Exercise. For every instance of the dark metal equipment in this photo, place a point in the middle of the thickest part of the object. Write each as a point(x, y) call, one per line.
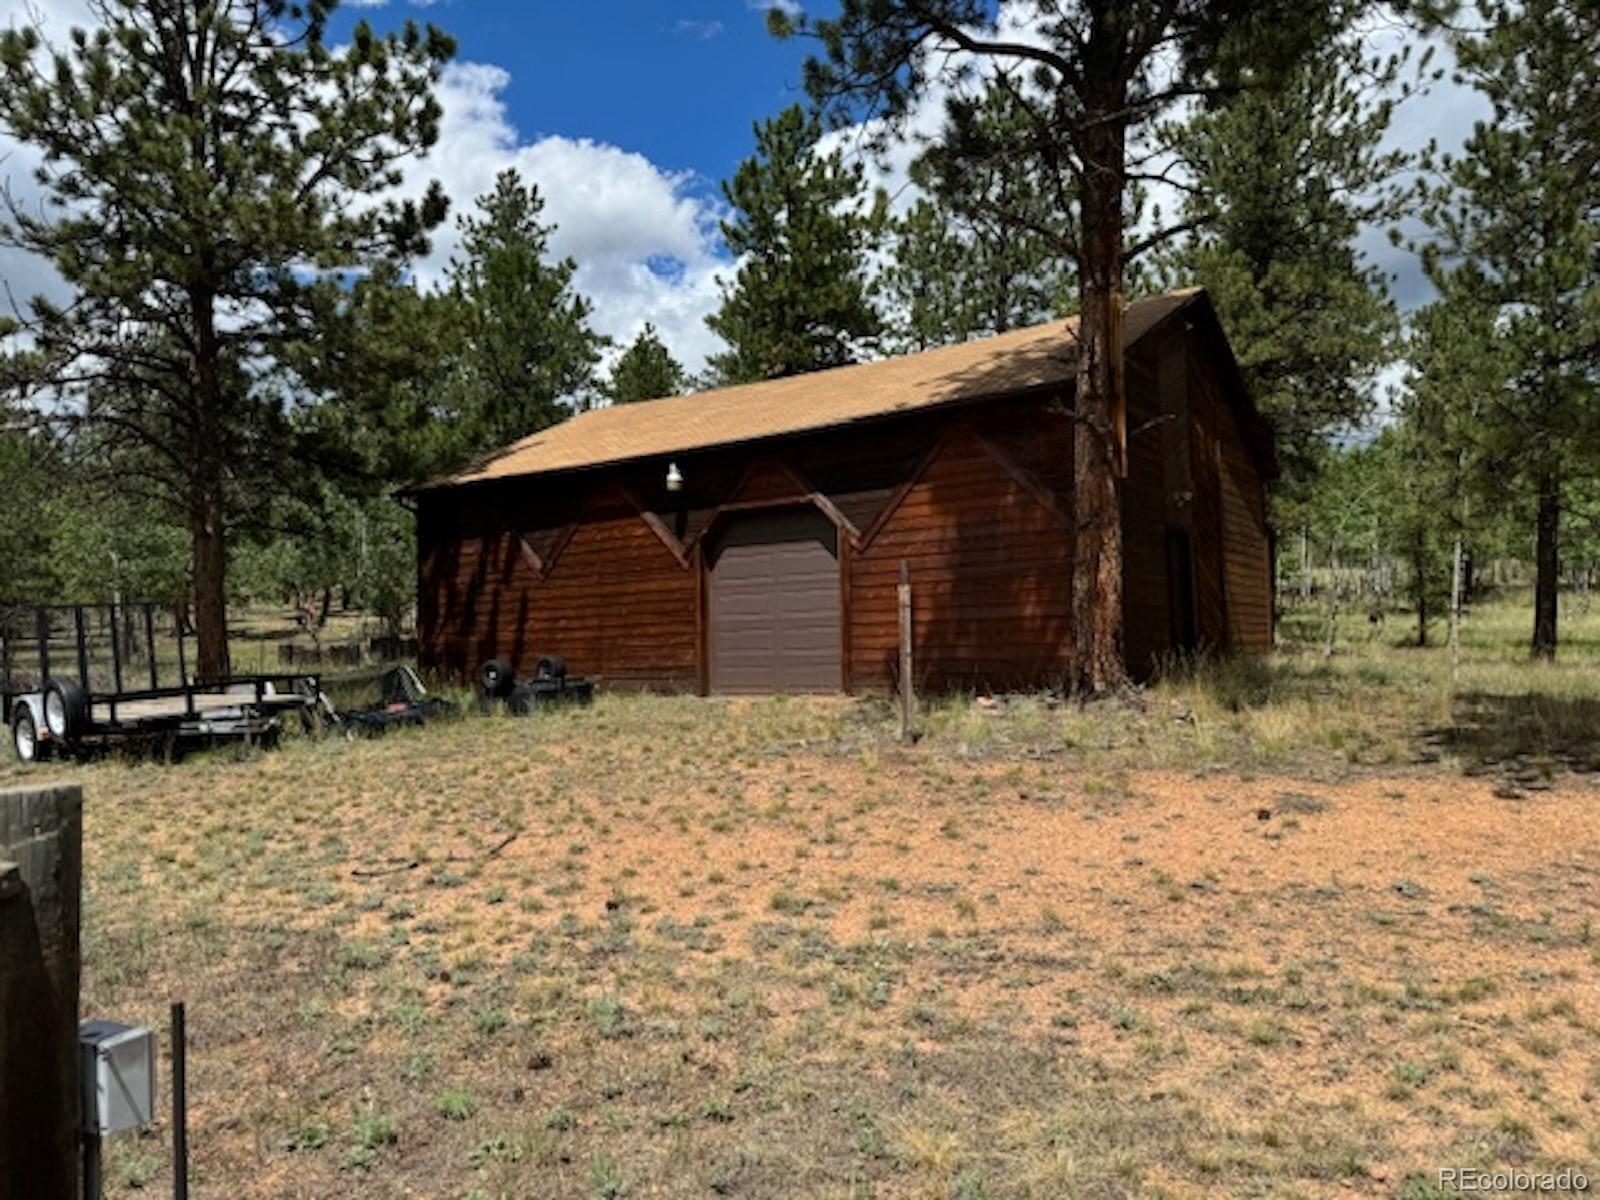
point(401, 699)
point(550, 684)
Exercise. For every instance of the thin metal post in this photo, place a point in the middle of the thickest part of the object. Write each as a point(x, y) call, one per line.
point(83, 646)
point(1455, 612)
point(42, 627)
point(183, 669)
point(116, 660)
point(180, 1106)
point(906, 665)
point(91, 1165)
point(150, 645)
point(5, 661)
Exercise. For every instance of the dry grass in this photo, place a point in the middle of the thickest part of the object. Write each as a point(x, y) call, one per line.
point(760, 949)
point(1379, 701)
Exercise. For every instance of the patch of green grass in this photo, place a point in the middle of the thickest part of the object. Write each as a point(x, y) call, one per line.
point(456, 1104)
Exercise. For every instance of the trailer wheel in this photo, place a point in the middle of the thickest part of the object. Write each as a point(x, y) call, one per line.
point(25, 737)
point(66, 709)
point(551, 666)
point(496, 677)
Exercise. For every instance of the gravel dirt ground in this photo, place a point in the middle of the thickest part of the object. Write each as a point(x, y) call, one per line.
point(677, 948)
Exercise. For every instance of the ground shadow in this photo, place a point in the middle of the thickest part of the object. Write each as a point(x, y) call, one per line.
point(1530, 732)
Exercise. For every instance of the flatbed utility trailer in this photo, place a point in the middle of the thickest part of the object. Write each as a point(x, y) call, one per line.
point(48, 711)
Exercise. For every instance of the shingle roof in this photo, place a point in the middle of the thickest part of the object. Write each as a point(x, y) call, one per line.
point(1018, 361)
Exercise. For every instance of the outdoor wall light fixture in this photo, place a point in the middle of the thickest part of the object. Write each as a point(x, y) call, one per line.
point(674, 478)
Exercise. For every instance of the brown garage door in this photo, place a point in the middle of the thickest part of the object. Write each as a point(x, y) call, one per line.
point(775, 604)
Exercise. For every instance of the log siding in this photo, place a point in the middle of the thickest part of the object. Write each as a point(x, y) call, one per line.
point(606, 568)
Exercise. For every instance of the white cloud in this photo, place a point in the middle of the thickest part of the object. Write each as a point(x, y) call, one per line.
point(704, 30)
point(789, 8)
point(24, 276)
point(645, 238)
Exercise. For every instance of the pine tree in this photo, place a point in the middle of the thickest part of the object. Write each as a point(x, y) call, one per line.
point(1453, 376)
point(200, 158)
point(1096, 82)
point(923, 287)
point(646, 370)
point(1516, 232)
point(530, 352)
point(382, 385)
point(1283, 180)
point(803, 231)
point(982, 254)
point(31, 470)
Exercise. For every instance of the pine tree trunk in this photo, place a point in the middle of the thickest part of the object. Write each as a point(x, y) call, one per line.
point(209, 548)
point(1098, 665)
point(207, 516)
point(1547, 565)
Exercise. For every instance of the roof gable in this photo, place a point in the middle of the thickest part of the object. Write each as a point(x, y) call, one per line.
point(1019, 361)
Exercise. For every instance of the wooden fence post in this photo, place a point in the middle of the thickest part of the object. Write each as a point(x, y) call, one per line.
point(907, 697)
point(41, 872)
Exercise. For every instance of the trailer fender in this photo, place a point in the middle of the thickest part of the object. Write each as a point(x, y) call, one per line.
point(26, 740)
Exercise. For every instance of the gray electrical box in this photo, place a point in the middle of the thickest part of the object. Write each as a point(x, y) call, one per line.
point(119, 1076)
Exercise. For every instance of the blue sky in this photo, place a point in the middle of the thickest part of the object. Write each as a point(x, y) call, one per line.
point(680, 83)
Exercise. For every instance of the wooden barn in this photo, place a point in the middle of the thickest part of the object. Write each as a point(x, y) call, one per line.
point(750, 539)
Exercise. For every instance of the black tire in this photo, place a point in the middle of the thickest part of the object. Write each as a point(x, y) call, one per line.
point(496, 678)
point(25, 737)
point(551, 666)
point(65, 698)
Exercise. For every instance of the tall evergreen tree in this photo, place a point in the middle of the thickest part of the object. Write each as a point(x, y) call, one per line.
point(388, 377)
point(1095, 82)
point(1516, 231)
point(32, 476)
point(804, 229)
point(530, 352)
point(981, 254)
point(925, 301)
point(646, 370)
point(1283, 180)
point(199, 158)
